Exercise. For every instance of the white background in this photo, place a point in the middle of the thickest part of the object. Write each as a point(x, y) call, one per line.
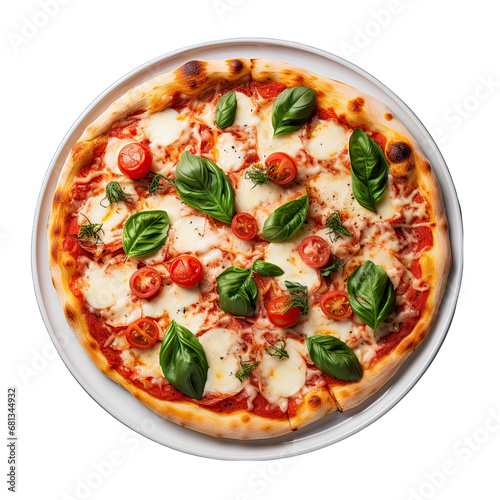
point(441, 58)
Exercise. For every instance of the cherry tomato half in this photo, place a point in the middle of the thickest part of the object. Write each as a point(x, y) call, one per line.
point(277, 315)
point(186, 270)
point(134, 160)
point(145, 282)
point(143, 333)
point(314, 251)
point(282, 168)
point(335, 304)
point(244, 226)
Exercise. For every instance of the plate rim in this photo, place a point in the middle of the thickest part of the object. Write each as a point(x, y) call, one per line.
point(457, 253)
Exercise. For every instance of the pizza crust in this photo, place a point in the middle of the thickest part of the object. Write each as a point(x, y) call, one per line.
point(356, 109)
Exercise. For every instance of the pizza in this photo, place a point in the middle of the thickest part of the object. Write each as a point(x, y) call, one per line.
point(247, 246)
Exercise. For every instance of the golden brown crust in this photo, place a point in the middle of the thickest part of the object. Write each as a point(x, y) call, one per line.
point(353, 107)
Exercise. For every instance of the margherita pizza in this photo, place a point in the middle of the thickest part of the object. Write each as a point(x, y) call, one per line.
point(247, 246)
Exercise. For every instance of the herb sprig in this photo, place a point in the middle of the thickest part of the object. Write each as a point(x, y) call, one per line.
point(277, 349)
point(335, 227)
point(114, 194)
point(259, 174)
point(246, 368)
point(298, 298)
point(334, 266)
point(88, 232)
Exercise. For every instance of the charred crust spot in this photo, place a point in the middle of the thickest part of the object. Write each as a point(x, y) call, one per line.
point(245, 419)
point(70, 314)
point(314, 402)
point(193, 73)
point(356, 105)
point(235, 65)
point(388, 117)
point(94, 345)
point(398, 151)
point(445, 225)
point(427, 166)
point(57, 230)
point(54, 252)
point(58, 197)
point(67, 262)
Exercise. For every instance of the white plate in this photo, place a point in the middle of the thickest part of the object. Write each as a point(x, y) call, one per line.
point(119, 402)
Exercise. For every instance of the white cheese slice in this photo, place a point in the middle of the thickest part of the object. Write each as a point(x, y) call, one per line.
point(165, 127)
point(222, 349)
point(335, 191)
point(230, 152)
point(326, 139)
point(177, 302)
point(286, 256)
point(172, 205)
point(186, 233)
point(246, 112)
point(281, 378)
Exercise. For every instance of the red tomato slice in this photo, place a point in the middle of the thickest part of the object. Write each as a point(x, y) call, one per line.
point(143, 333)
point(134, 160)
point(335, 304)
point(186, 270)
point(244, 226)
point(277, 315)
point(282, 168)
point(314, 251)
point(145, 282)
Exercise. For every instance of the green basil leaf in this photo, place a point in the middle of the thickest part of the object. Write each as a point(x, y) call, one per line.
point(286, 220)
point(237, 291)
point(183, 361)
point(334, 266)
point(145, 232)
point(292, 108)
point(334, 357)
point(371, 294)
point(203, 185)
point(226, 110)
point(298, 297)
point(266, 268)
point(369, 169)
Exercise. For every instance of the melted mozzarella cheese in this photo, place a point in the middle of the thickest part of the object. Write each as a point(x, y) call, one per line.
point(104, 286)
point(150, 359)
point(246, 113)
point(177, 302)
point(286, 256)
point(326, 139)
point(336, 192)
point(290, 143)
point(230, 152)
point(283, 377)
point(316, 322)
point(222, 351)
point(186, 233)
point(250, 197)
point(111, 217)
point(165, 127)
point(172, 205)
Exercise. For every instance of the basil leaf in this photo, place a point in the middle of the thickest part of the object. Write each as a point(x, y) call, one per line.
point(371, 294)
point(226, 110)
point(203, 185)
point(292, 108)
point(286, 220)
point(145, 232)
point(266, 268)
point(334, 357)
point(246, 368)
point(183, 361)
point(369, 169)
point(237, 291)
